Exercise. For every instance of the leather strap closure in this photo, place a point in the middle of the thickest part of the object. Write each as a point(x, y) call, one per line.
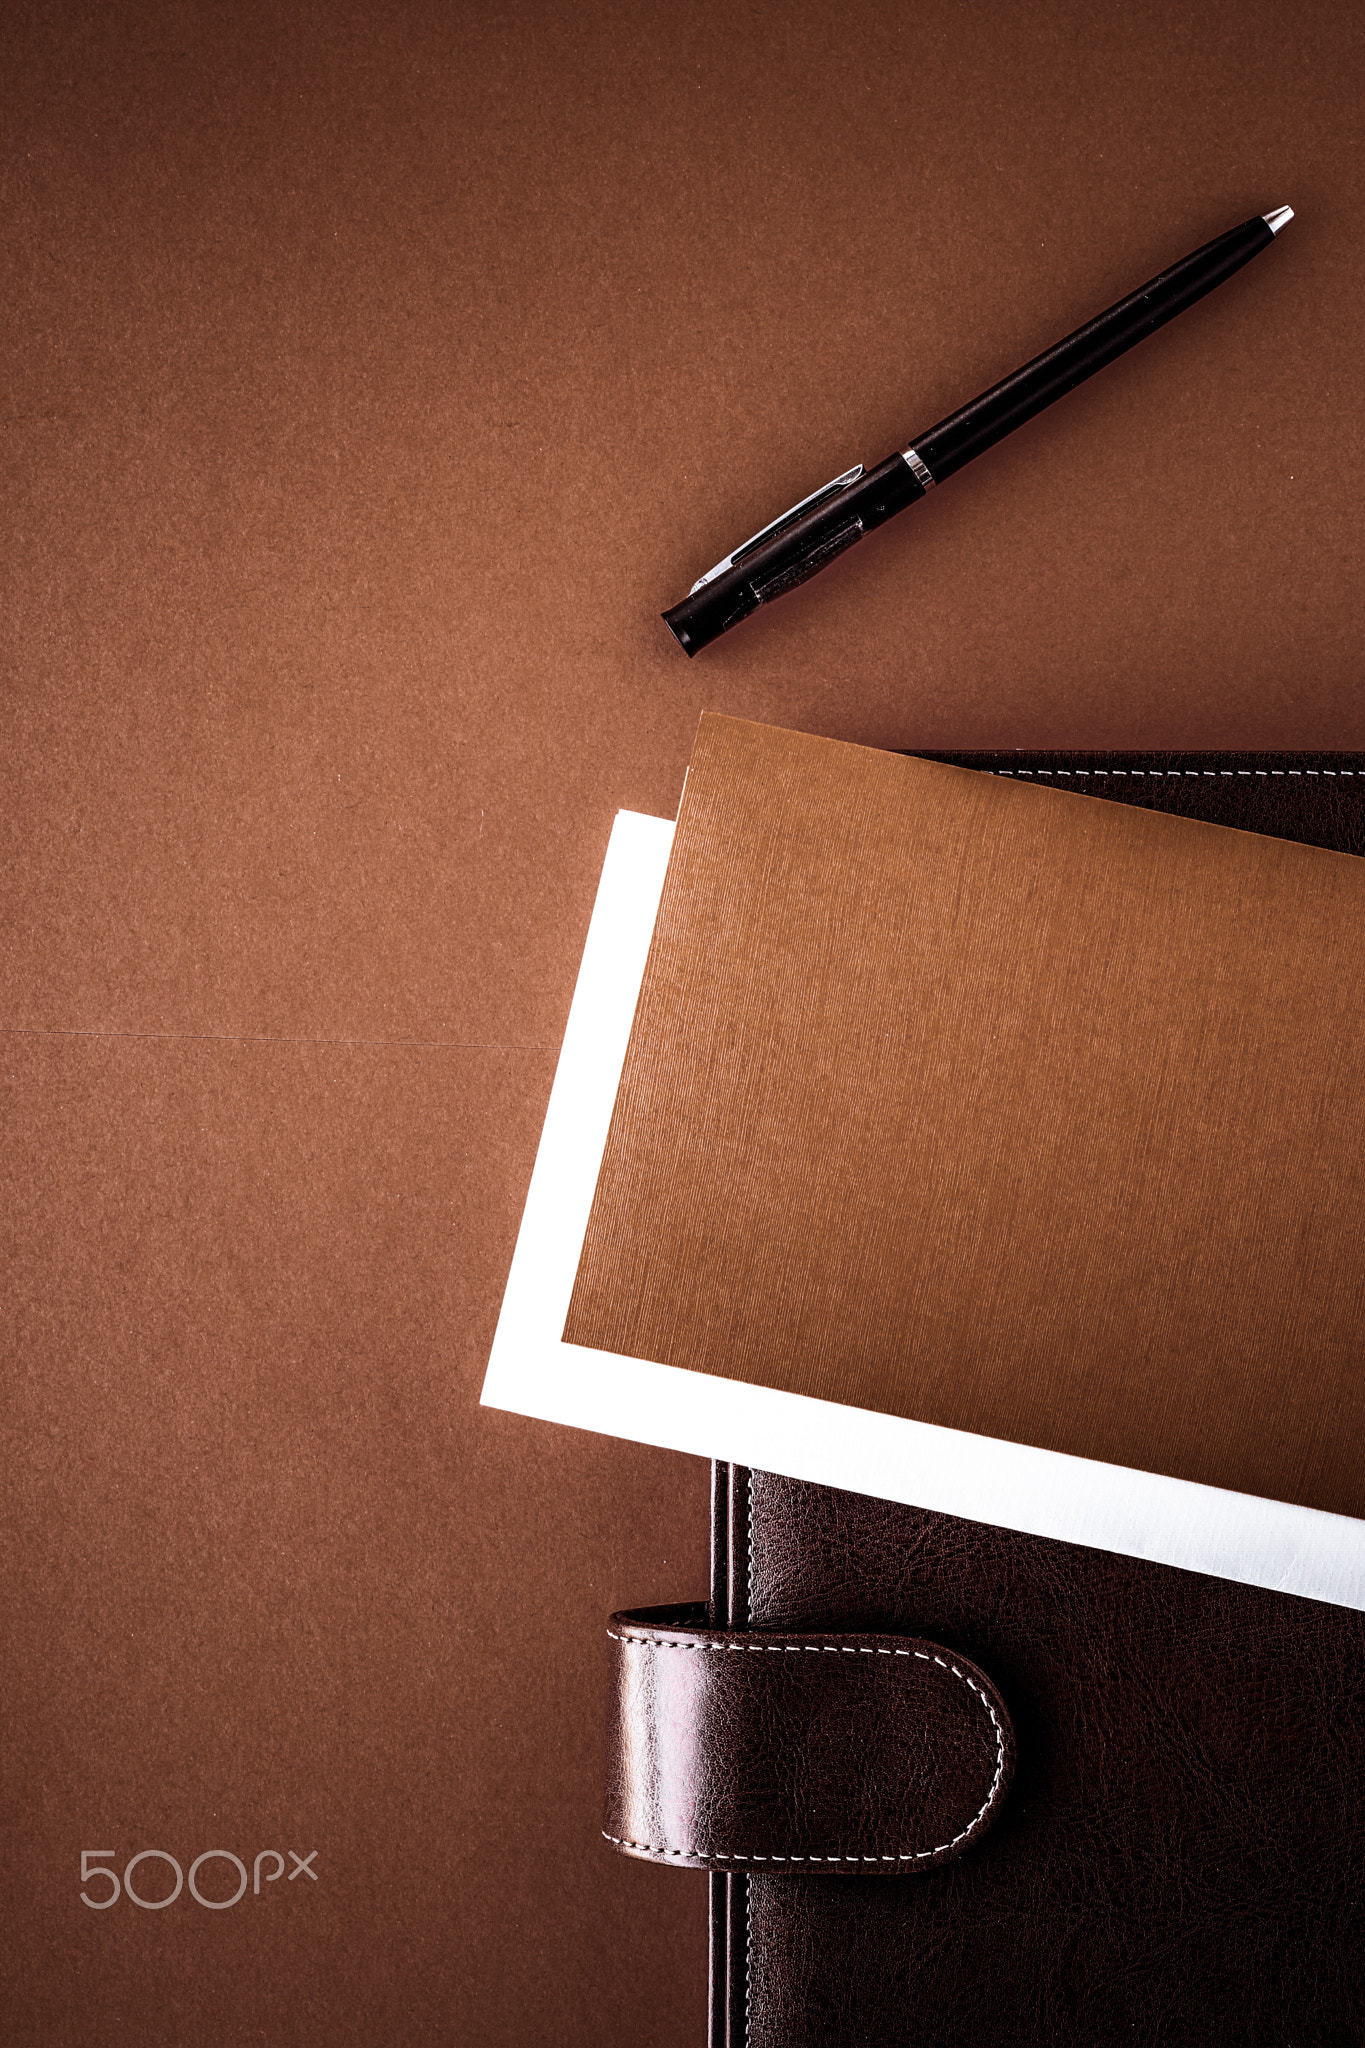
point(856, 1755)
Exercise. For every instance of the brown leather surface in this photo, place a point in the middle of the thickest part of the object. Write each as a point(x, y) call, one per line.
point(851, 1754)
point(1182, 1856)
point(1002, 1108)
point(374, 376)
point(1317, 799)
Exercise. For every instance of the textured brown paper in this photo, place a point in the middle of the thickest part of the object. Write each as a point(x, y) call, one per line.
point(998, 1108)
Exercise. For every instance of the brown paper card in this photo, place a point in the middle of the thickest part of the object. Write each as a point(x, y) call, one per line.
point(998, 1108)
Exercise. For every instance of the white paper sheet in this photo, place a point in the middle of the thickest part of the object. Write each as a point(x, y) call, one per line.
point(1044, 1493)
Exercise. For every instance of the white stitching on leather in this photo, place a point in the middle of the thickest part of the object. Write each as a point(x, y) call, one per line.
point(748, 1615)
point(829, 1649)
point(1156, 773)
point(748, 1903)
point(748, 1546)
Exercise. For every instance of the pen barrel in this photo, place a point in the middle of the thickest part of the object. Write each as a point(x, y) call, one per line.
point(1007, 405)
point(768, 569)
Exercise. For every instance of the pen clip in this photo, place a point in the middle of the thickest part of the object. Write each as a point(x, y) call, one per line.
point(775, 526)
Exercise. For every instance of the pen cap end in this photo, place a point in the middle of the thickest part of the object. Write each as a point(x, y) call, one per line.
point(680, 634)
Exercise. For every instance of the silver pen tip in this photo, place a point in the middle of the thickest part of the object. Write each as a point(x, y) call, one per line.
point(1280, 218)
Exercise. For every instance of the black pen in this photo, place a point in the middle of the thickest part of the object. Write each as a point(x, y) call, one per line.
point(788, 550)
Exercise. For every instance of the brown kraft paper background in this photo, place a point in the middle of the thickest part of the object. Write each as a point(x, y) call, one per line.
point(1001, 1108)
point(374, 376)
